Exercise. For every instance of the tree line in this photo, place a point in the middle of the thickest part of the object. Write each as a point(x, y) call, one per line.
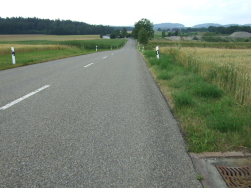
point(221, 29)
point(19, 25)
point(229, 30)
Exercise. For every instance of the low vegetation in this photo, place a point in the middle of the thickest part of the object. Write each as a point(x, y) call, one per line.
point(208, 90)
point(230, 69)
point(41, 37)
point(180, 44)
point(35, 51)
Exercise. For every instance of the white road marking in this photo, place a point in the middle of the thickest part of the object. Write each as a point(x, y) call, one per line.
point(104, 57)
point(113, 53)
point(24, 97)
point(88, 65)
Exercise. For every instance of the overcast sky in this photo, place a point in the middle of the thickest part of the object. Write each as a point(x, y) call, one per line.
point(126, 13)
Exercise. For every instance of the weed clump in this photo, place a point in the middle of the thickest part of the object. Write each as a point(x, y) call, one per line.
point(207, 90)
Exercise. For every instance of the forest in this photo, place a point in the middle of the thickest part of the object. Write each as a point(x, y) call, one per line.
point(222, 30)
point(19, 25)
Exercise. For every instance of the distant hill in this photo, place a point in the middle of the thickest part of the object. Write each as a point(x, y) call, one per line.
point(206, 25)
point(168, 26)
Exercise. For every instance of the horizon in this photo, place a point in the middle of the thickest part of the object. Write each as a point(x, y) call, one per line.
point(131, 25)
point(111, 13)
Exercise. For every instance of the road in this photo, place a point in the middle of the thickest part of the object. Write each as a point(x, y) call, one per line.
point(96, 120)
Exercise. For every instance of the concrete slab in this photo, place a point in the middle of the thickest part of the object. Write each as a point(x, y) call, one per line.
point(206, 167)
point(247, 154)
point(233, 154)
point(211, 154)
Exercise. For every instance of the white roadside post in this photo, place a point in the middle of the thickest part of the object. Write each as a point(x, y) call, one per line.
point(143, 49)
point(157, 51)
point(96, 48)
point(13, 56)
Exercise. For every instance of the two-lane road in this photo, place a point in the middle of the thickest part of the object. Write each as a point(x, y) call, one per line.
point(95, 120)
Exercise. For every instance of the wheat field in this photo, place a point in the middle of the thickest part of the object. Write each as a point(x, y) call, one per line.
point(228, 68)
point(20, 48)
point(25, 37)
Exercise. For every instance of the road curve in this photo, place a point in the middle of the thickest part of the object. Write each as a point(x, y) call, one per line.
point(96, 120)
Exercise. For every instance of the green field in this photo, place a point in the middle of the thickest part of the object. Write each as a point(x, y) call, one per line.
point(227, 45)
point(30, 49)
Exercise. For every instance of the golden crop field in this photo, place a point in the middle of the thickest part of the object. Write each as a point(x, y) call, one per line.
point(7, 38)
point(228, 68)
point(20, 48)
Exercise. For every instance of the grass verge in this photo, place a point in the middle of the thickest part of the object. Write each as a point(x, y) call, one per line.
point(210, 119)
point(33, 57)
point(37, 51)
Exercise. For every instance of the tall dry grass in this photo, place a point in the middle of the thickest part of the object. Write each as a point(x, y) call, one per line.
point(21, 48)
point(228, 68)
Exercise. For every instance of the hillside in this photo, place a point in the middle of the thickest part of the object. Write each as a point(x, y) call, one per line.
point(168, 25)
point(241, 35)
point(206, 25)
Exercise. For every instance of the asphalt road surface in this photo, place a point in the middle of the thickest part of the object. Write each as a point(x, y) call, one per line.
point(95, 120)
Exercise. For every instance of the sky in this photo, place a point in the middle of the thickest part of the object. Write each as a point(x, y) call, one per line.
point(127, 13)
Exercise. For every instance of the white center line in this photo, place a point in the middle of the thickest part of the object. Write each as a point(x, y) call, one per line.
point(104, 57)
point(88, 65)
point(24, 97)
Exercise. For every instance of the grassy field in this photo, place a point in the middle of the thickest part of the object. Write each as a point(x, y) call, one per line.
point(30, 49)
point(208, 88)
point(209, 117)
point(11, 38)
point(230, 69)
point(180, 44)
point(22, 48)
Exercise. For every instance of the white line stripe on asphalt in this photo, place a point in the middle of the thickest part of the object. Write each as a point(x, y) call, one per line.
point(88, 65)
point(104, 57)
point(24, 97)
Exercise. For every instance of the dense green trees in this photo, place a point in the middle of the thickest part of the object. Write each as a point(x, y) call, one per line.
point(45, 26)
point(143, 36)
point(229, 30)
point(120, 34)
point(221, 30)
point(147, 25)
point(124, 32)
point(163, 34)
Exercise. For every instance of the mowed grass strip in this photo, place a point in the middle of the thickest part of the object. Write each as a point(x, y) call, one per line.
point(210, 118)
point(33, 57)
